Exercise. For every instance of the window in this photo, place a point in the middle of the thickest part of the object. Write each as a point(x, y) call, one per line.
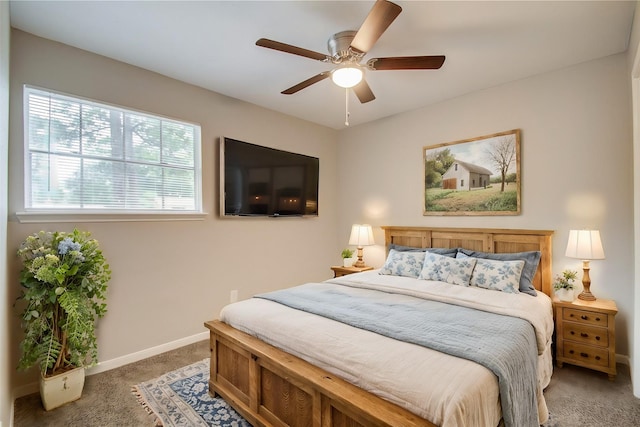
point(85, 156)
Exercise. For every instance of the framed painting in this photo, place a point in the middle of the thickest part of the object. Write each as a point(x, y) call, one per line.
point(477, 176)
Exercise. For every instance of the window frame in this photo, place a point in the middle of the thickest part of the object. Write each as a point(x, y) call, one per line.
point(55, 214)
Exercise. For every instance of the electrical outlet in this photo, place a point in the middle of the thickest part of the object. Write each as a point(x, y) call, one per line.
point(234, 296)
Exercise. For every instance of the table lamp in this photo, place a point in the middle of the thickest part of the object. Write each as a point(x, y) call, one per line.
point(585, 245)
point(361, 235)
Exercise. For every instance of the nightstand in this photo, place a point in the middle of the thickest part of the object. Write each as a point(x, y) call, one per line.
point(339, 271)
point(585, 334)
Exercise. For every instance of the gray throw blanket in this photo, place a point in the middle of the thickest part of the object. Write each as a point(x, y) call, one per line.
point(503, 344)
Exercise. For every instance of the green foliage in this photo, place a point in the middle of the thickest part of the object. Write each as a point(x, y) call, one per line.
point(565, 280)
point(431, 200)
point(511, 177)
point(64, 284)
point(347, 253)
point(507, 201)
point(436, 164)
point(438, 196)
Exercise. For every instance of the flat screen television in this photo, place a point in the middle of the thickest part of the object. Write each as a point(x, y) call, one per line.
point(263, 181)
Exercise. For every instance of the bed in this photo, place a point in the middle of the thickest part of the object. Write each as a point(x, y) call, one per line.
point(279, 365)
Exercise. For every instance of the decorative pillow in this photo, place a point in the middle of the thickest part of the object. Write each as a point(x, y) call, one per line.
point(450, 252)
point(403, 263)
point(447, 269)
point(497, 275)
point(531, 261)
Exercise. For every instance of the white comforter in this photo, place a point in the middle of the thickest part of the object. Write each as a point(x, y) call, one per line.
point(443, 389)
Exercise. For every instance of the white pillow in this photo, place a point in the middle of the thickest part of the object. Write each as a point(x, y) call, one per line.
point(403, 263)
point(497, 275)
point(456, 271)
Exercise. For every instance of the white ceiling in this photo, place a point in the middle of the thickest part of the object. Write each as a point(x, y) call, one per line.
point(212, 44)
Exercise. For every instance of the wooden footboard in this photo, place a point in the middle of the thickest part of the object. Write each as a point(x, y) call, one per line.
point(272, 388)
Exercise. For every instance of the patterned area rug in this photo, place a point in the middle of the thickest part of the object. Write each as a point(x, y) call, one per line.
point(181, 398)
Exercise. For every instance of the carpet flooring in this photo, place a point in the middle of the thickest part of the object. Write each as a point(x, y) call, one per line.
point(576, 397)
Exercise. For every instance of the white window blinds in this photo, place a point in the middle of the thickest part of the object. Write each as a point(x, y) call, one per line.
point(82, 155)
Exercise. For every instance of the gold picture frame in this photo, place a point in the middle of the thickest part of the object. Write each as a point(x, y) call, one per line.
point(476, 176)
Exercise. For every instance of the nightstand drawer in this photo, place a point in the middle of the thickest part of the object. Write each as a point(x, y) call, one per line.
point(585, 334)
point(586, 354)
point(587, 317)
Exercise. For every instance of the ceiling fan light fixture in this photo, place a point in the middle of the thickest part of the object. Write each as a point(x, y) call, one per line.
point(347, 76)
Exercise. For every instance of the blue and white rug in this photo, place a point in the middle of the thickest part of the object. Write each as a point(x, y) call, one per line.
point(181, 399)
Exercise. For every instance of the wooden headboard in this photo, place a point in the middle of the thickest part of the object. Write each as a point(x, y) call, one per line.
point(480, 239)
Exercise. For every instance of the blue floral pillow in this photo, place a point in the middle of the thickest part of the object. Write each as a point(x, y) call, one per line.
point(456, 271)
point(531, 260)
point(497, 275)
point(401, 263)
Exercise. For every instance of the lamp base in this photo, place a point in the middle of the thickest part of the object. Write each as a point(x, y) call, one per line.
point(359, 263)
point(586, 296)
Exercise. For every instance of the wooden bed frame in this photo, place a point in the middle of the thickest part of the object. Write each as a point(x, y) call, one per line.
point(270, 387)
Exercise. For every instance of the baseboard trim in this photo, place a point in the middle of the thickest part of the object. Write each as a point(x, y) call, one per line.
point(144, 354)
point(108, 365)
point(624, 359)
point(24, 390)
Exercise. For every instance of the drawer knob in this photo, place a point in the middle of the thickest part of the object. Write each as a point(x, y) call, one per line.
point(584, 355)
point(597, 319)
point(570, 351)
point(583, 317)
point(597, 357)
point(597, 338)
point(573, 333)
point(583, 335)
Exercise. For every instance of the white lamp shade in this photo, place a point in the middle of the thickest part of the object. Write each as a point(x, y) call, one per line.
point(346, 76)
point(584, 244)
point(361, 235)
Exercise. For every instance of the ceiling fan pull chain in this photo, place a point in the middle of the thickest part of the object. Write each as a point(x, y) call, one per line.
point(346, 107)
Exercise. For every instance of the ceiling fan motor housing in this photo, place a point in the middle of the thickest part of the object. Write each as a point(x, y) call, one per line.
point(339, 46)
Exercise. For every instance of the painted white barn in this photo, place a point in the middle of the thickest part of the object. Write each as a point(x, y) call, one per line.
point(465, 176)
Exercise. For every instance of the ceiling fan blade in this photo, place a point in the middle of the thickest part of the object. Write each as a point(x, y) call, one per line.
point(377, 21)
point(363, 92)
point(406, 63)
point(315, 79)
point(287, 48)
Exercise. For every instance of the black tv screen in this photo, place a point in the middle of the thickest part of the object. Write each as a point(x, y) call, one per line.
point(262, 181)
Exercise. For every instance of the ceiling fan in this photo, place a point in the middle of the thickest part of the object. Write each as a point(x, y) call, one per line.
point(347, 48)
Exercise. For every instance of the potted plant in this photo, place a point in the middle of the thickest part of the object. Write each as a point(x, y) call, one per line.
point(64, 283)
point(347, 257)
point(563, 285)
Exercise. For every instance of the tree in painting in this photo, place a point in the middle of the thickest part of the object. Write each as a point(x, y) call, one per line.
point(502, 154)
point(437, 164)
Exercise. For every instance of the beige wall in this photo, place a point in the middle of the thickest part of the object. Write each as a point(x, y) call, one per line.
point(576, 166)
point(5, 312)
point(170, 277)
